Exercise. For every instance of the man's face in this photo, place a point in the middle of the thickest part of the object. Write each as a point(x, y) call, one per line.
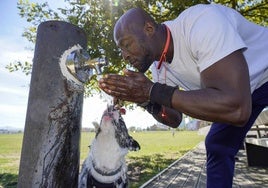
point(135, 50)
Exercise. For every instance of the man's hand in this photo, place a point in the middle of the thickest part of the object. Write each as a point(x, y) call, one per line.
point(133, 86)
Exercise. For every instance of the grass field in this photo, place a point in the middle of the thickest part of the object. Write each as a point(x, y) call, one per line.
point(158, 150)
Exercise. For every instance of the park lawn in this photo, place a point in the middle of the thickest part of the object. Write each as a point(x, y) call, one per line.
point(158, 150)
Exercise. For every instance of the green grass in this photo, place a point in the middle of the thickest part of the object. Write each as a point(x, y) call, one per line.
point(10, 148)
point(158, 150)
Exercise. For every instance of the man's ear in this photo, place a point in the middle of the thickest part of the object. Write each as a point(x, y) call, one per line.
point(149, 29)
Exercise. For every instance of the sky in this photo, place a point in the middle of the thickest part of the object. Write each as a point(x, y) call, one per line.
point(14, 87)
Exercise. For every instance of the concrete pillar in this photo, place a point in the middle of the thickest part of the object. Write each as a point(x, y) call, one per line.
point(50, 150)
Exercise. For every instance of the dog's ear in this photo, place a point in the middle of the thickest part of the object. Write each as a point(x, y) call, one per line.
point(133, 145)
point(122, 111)
point(96, 126)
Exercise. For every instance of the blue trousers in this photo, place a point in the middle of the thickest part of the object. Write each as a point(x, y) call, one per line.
point(223, 142)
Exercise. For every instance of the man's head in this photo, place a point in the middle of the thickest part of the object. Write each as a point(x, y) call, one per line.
point(134, 34)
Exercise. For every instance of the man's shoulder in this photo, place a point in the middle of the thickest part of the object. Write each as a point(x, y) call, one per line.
point(200, 9)
point(197, 15)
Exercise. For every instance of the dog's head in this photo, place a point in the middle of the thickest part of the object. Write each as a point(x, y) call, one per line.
point(112, 123)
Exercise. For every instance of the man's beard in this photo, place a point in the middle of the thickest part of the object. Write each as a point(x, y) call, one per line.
point(145, 65)
point(144, 68)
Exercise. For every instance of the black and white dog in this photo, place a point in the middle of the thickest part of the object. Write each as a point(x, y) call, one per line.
point(105, 165)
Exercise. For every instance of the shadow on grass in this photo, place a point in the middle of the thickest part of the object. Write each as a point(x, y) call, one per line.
point(8, 180)
point(141, 169)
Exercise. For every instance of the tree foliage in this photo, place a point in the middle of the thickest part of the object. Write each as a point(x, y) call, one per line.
point(254, 10)
point(97, 18)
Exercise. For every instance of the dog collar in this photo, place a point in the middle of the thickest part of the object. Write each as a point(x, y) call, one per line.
point(93, 182)
point(112, 173)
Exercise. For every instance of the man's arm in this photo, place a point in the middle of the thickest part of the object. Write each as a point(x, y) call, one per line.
point(165, 115)
point(169, 117)
point(225, 95)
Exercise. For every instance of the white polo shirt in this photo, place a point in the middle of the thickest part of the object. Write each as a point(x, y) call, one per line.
point(204, 34)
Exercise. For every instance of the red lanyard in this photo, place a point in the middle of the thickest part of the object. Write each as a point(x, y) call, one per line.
point(163, 56)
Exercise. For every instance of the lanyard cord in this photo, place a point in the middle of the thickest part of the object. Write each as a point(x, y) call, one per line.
point(163, 56)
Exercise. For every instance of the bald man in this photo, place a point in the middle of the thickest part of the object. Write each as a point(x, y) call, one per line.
point(216, 56)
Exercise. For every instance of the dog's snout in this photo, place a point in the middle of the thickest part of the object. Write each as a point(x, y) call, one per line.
point(110, 114)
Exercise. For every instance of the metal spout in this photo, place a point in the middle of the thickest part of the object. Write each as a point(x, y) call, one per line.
point(82, 67)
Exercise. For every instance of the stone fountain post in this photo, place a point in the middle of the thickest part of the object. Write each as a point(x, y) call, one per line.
point(50, 150)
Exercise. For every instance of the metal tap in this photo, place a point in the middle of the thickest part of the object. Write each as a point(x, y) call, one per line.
point(82, 67)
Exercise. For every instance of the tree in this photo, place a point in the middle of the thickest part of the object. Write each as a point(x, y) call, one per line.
point(97, 18)
point(254, 10)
